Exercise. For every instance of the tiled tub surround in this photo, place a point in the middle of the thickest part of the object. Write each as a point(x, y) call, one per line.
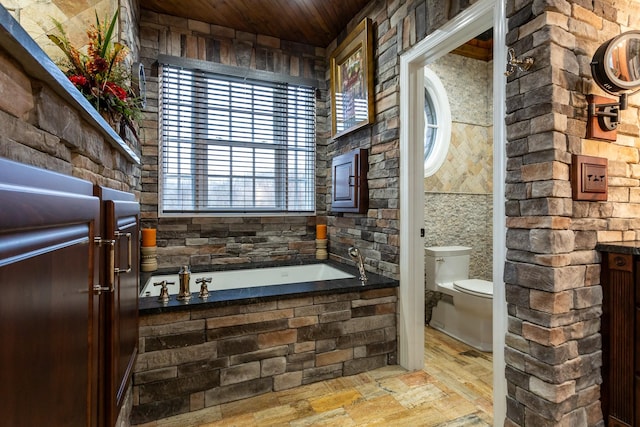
point(243, 343)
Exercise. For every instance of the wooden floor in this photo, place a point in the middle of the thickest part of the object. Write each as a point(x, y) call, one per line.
point(454, 389)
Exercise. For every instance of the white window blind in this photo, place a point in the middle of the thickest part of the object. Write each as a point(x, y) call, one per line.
point(235, 145)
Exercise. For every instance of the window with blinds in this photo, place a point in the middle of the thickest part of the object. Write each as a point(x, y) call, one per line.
point(235, 145)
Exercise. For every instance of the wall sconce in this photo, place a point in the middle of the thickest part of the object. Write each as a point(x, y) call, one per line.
point(514, 63)
point(615, 67)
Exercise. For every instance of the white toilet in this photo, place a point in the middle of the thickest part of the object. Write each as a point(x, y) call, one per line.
point(465, 310)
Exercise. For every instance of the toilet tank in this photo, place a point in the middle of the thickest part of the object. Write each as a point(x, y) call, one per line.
point(445, 264)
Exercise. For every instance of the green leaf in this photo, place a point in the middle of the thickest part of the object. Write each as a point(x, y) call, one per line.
point(108, 34)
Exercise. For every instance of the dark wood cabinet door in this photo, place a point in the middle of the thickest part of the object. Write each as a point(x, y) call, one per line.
point(618, 340)
point(48, 308)
point(349, 191)
point(120, 322)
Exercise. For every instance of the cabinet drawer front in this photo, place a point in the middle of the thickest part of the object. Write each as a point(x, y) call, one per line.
point(620, 262)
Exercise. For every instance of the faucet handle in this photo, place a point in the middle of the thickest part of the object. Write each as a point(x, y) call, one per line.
point(204, 291)
point(164, 291)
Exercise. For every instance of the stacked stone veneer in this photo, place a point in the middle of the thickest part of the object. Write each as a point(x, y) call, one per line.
point(197, 358)
point(552, 271)
point(215, 239)
point(43, 129)
point(398, 26)
point(40, 128)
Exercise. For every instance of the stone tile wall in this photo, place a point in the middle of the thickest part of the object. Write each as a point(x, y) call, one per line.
point(468, 167)
point(224, 240)
point(462, 220)
point(40, 128)
point(198, 358)
point(398, 25)
point(458, 197)
point(37, 18)
point(552, 271)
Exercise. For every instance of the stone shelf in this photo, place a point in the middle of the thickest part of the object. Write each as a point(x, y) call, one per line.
point(38, 65)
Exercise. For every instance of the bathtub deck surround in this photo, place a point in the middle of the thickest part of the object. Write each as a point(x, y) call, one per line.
point(223, 288)
point(385, 396)
point(252, 341)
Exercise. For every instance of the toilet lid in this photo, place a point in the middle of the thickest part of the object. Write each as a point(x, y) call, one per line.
point(478, 287)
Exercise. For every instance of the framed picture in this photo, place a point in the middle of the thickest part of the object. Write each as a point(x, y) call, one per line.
point(352, 81)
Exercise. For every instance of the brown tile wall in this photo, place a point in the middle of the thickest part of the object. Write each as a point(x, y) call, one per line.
point(198, 358)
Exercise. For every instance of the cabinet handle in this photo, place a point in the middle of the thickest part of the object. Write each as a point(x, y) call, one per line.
point(620, 261)
point(128, 269)
point(97, 289)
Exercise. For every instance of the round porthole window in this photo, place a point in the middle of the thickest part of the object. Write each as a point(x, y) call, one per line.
point(437, 123)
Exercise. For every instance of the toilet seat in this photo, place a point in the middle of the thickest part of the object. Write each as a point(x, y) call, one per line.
point(477, 287)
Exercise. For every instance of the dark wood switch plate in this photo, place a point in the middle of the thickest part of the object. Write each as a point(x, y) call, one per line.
point(589, 178)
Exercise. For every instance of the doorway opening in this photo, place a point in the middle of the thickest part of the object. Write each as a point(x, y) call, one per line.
point(478, 18)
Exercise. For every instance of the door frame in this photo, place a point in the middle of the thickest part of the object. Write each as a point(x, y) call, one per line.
point(474, 20)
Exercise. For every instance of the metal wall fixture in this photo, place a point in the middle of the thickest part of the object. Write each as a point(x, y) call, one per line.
point(514, 63)
point(615, 67)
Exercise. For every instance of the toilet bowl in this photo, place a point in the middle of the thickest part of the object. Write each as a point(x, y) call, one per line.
point(465, 307)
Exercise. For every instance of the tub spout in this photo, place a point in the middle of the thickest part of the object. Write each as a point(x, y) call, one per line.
point(185, 276)
point(357, 257)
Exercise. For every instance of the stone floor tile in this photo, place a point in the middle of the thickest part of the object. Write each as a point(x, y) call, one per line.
point(303, 392)
point(257, 403)
point(466, 421)
point(374, 410)
point(336, 417)
point(416, 378)
point(243, 420)
point(335, 400)
point(419, 395)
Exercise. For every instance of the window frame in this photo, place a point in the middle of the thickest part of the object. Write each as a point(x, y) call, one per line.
point(437, 93)
point(201, 175)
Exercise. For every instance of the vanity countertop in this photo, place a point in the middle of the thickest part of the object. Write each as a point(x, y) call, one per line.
point(631, 247)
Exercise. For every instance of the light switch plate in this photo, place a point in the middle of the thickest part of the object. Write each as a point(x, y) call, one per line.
point(589, 178)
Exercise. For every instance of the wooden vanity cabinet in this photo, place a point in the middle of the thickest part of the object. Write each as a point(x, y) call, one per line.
point(68, 329)
point(49, 314)
point(119, 308)
point(620, 390)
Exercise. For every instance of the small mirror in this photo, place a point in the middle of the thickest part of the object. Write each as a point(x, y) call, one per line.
point(616, 64)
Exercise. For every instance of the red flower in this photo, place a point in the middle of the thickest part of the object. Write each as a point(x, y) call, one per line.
point(98, 65)
point(79, 80)
point(116, 90)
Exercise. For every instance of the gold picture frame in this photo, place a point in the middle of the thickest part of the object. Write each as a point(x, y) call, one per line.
point(352, 100)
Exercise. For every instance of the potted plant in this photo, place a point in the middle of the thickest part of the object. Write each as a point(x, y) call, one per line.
point(100, 73)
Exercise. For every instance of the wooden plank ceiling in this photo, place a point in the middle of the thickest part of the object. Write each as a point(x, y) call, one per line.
point(313, 22)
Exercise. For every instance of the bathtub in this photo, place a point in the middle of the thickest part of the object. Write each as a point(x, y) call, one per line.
point(249, 278)
point(261, 283)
